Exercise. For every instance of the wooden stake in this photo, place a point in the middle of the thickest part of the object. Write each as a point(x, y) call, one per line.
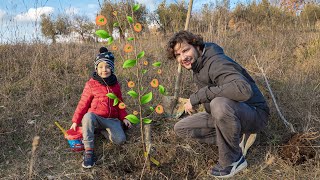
point(147, 143)
point(177, 83)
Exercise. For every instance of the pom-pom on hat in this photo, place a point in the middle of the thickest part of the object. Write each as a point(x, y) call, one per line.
point(105, 56)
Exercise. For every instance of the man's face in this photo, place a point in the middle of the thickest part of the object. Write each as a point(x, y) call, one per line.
point(186, 54)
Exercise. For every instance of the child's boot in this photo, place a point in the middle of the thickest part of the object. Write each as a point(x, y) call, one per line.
point(88, 159)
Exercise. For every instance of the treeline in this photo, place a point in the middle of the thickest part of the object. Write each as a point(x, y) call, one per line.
point(212, 17)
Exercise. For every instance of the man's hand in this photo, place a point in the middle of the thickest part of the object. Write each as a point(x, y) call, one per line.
point(74, 126)
point(127, 123)
point(188, 107)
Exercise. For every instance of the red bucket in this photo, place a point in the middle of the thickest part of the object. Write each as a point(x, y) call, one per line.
point(75, 139)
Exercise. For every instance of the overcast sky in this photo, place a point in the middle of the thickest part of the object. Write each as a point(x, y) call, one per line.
point(20, 18)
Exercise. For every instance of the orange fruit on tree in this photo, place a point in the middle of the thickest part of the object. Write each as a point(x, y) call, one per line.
point(137, 27)
point(159, 109)
point(114, 48)
point(154, 83)
point(135, 113)
point(128, 48)
point(101, 20)
point(159, 71)
point(115, 13)
point(130, 84)
point(121, 105)
point(145, 63)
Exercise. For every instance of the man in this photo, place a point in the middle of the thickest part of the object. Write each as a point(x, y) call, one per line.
point(234, 105)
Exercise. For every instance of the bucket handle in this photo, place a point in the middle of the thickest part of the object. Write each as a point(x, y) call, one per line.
point(61, 128)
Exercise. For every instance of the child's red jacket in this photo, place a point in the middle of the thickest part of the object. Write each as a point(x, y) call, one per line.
point(94, 99)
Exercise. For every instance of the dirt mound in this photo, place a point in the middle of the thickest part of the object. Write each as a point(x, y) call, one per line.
point(300, 148)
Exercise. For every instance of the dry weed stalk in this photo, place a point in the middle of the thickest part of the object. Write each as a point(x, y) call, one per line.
point(286, 123)
point(269, 160)
point(35, 144)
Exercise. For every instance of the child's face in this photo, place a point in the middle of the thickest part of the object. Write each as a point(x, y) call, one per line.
point(103, 70)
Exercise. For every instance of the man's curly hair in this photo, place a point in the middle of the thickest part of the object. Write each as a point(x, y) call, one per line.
point(183, 36)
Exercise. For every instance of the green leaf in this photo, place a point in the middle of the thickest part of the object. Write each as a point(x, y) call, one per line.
point(140, 55)
point(151, 108)
point(133, 94)
point(129, 18)
point(132, 118)
point(162, 90)
point(110, 40)
point(129, 63)
point(130, 39)
point(111, 96)
point(146, 98)
point(136, 7)
point(116, 24)
point(147, 121)
point(144, 71)
point(102, 34)
point(156, 64)
point(115, 101)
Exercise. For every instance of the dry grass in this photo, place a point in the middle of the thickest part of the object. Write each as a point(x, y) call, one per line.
point(42, 83)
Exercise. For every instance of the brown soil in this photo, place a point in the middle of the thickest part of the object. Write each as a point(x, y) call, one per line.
point(300, 148)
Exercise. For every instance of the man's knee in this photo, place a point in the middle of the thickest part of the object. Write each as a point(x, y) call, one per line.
point(221, 107)
point(182, 128)
point(178, 128)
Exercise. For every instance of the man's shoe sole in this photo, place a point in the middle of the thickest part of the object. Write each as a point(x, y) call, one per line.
point(238, 169)
point(241, 167)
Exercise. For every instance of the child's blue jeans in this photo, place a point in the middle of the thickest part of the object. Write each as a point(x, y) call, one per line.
point(91, 121)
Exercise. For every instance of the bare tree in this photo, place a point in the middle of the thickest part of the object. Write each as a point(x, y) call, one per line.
point(83, 26)
point(51, 28)
point(114, 12)
point(47, 28)
point(171, 17)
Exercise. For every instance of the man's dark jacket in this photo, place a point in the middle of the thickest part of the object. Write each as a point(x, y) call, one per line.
point(217, 75)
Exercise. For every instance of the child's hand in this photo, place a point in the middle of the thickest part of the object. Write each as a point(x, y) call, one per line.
point(74, 126)
point(127, 123)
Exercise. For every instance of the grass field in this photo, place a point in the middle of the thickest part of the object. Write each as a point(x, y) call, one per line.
point(42, 83)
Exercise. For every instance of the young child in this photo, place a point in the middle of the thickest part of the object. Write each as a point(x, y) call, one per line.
point(96, 111)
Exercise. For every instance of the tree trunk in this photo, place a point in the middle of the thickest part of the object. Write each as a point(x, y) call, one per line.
point(53, 39)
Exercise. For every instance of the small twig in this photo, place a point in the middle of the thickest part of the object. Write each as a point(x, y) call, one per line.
point(201, 173)
point(8, 132)
point(188, 148)
point(164, 175)
point(72, 174)
point(286, 123)
point(269, 159)
point(35, 144)
point(100, 4)
point(314, 89)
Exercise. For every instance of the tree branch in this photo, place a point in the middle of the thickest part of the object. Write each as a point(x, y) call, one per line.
point(286, 123)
